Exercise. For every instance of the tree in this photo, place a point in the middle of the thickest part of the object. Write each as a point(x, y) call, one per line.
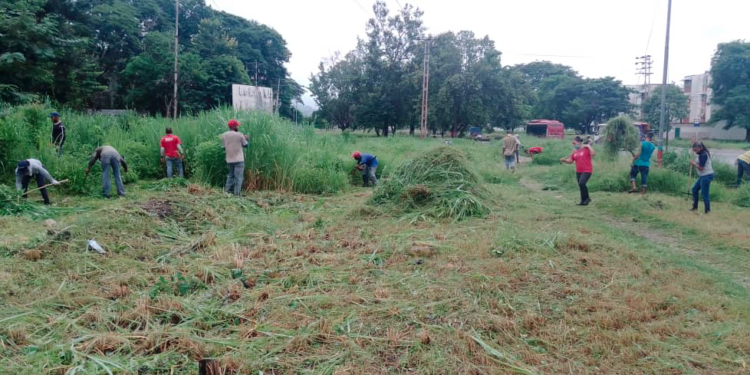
point(537, 71)
point(677, 107)
point(730, 74)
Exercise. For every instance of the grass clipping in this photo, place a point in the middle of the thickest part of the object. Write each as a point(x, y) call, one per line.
point(438, 183)
point(620, 135)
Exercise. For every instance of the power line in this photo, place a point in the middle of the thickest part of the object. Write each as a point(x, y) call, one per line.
point(399, 4)
point(653, 22)
point(361, 7)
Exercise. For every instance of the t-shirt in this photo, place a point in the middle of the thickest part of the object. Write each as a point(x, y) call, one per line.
point(705, 162)
point(647, 149)
point(509, 146)
point(368, 160)
point(58, 133)
point(233, 142)
point(745, 157)
point(582, 157)
point(170, 143)
point(535, 150)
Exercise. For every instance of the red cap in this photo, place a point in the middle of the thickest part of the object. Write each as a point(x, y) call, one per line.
point(356, 154)
point(233, 123)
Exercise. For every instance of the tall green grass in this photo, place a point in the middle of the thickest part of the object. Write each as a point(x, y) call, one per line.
point(281, 155)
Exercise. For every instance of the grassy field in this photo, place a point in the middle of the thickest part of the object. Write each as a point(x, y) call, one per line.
point(289, 283)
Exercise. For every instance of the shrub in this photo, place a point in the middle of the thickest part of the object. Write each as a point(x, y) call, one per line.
point(742, 199)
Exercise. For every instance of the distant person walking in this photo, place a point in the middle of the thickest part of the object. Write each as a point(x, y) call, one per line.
point(111, 160)
point(368, 164)
point(234, 142)
point(642, 164)
point(582, 155)
point(171, 152)
point(32, 168)
point(510, 145)
point(518, 148)
point(705, 175)
point(58, 133)
point(743, 167)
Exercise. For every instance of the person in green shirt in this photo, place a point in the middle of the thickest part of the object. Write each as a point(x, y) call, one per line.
point(641, 164)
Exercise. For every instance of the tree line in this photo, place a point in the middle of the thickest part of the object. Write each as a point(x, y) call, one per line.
point(120, 54)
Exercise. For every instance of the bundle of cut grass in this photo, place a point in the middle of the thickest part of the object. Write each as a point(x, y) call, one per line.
point(620, 135)
point(438, 183)
point(11, 204)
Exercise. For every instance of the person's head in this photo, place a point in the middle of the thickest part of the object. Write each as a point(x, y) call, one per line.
point(649, 136)
point(23, 165)
point(55, 117)
point(356, 155)
point(577, 142)
point(233, 124)
point(699, 147)
point(169, 131)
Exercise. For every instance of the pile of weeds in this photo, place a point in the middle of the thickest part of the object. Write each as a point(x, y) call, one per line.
point(742, 199)
point(12, 204)
point(438, 183)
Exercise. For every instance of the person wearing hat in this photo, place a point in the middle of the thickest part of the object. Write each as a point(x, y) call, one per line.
point(110, 159)
point(29, 168)
point(368, 164)
point(58, 132)
point(233, 142)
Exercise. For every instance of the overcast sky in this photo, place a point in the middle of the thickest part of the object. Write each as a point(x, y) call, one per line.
point(596, 37)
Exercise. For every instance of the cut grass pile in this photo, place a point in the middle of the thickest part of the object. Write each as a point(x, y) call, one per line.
point(438, 183)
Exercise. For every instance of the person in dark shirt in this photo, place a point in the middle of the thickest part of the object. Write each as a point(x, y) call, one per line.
point(58, 132)
point(368, 164)
point(705, 169)
point(110, 159)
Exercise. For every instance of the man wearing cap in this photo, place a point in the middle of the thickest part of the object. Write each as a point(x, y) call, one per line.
point(58, 132)
point(29, 168)
point(233, 142)
point(110, 159)
point(171, 152)
point(368, 164)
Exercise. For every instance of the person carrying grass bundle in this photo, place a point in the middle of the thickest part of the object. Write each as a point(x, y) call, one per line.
point(111, 160)
point(368, 164)
point(705, 175)
point(58, 133)
point(171, 152)
point(32, 168)
point(582, 155)
point(510, 145)
point(642, 164)
point(233, 142)
point(743, 167)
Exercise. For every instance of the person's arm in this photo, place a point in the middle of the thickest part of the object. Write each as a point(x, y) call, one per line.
point(591, 150)
point(567, 160)
point(180, 151)
point(638, 152)
point(47, 176)
point(701, 164)
point(19, 180)
point(97, 154)
point(62, 135)
point(162, 152)
point(245, 143)
point(124, 164)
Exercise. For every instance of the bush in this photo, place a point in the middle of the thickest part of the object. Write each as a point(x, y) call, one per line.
point(438, 183)
point(742, 199)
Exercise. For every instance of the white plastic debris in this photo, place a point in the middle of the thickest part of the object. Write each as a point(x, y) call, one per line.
point(95, 246)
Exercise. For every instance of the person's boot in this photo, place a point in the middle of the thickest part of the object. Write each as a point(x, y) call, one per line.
point(633, 189)
point(643, 190)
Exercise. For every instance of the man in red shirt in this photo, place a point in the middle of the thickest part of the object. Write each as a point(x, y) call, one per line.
point(534, 151)
point(171, 150)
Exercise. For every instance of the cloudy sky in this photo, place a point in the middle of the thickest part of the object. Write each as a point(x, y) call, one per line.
point(596, 37)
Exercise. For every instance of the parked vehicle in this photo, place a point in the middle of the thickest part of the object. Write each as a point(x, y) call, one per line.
point(546, 129)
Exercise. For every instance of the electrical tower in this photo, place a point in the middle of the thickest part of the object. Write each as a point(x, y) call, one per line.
point(643, 67)
point(425, 88)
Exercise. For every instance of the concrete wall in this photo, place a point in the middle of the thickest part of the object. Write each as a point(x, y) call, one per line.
point(705, 132)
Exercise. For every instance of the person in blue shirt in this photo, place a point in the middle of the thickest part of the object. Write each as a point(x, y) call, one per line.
point(368, 164)
point(641, 164)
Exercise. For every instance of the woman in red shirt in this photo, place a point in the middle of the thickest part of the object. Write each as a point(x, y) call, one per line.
point(584, 168)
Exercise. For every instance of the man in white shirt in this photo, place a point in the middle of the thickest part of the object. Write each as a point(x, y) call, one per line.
point(234, 143)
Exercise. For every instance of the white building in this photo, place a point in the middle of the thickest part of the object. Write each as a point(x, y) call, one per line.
point(698, 89)
point(638, 95)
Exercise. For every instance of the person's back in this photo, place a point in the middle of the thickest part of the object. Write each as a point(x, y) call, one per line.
point(170, 143)
point(369, 160)
point(509, 146)
point(107, 151)
point(647, 150)
point(233, 142)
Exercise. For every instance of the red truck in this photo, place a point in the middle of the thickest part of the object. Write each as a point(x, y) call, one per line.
point(546, 129)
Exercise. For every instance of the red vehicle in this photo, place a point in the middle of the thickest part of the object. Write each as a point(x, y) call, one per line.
point(546, 129)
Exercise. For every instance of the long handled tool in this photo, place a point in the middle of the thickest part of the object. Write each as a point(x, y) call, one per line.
point(45, 186)
point(690, 179)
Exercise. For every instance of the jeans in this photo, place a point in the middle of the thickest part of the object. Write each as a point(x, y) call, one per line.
point(368, 174)
point(111, 162)
point(178, 162)
point(510, 161)
point(644, 174)
point(60, 150)
point(39, 183)
point(583, 179)
point(702, 185)
point(235, 176)
point(742, 168)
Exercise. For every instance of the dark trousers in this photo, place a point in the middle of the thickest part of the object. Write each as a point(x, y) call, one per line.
point(634, 170)
point(742, 168)
point(583, 179)
point(702, 185)
point(39, 182)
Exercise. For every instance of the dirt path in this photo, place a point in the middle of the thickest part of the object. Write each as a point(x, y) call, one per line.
point(662, 238)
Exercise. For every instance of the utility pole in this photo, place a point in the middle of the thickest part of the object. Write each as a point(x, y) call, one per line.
point(425, 89)
point(278, 97)
point(256, 73)
point(663, 110)
point(176, 51)
point(644, 68)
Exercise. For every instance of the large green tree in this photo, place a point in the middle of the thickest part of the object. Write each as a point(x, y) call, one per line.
point(676, 109)
point(730, 74)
